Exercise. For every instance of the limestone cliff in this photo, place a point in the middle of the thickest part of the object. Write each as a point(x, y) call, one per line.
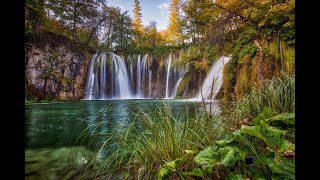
point(55, 66)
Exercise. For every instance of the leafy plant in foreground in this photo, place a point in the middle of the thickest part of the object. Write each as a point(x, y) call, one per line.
point(265, 143)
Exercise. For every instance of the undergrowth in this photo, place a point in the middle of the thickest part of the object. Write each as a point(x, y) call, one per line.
point(158, 144)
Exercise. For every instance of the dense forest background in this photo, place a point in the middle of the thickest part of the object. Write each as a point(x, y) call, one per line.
point(260, 35)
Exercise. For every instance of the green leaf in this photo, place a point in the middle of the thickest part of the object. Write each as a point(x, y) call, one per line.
point(163, 172)
point(195, 172)
point(231, 154)
point(286, 145)
point(191, 151)
point(172, 164)
point(229, 138)
point(168, 168)
point(265, 114)
point(272, 136)
point(287, 118)
point(252, 131)
point(206, 158)
point(282, 167)
point(212, 156)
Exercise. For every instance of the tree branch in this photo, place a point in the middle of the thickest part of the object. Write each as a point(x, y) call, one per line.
point(232, 12)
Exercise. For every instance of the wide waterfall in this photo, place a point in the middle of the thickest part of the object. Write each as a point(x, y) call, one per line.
point(213, 80)
point(111, 76)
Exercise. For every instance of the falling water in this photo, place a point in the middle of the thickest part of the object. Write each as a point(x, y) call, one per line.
point(144, 73)
point(90, 79)
point(103, 76)
point(176, 88)
point(139, 76)
point(150, 75)
point(213, 81)
point(168, 72)
point(123, 86)
point(111, 76)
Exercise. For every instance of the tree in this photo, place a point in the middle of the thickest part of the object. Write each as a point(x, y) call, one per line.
point(137, 23)
point(199, 14)
point(106, 29)
point(273, 16)
point(75, 13)
point(174, 21)
point(34, 15)
point(122, 33)
point(151, 33)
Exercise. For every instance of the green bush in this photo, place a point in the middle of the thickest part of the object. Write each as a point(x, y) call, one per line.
point(278, 94)
point(250, 49)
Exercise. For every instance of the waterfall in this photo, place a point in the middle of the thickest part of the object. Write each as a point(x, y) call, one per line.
point(123, 86)
point(103, 77)
point(176, 88)
point(150, 75)
point(144, 73)
point(111, 76)
point(168, 72)
point(131, 69)
point(139, 77)
point(90, 79)
point(213, 80)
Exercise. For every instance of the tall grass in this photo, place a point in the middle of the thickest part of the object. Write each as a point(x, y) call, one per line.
point(277, 94)
point(156, 137)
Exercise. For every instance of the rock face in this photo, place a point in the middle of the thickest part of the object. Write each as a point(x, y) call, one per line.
point(55, 66)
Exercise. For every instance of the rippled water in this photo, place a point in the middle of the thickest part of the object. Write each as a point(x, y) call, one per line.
point(56, 125)
point(61, 137)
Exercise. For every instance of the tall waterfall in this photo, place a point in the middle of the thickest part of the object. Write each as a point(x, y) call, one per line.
point(123, 89)
point(174, 93)
point(90, 79)
point(111, 76)
point(168, 72)
point(213, 80)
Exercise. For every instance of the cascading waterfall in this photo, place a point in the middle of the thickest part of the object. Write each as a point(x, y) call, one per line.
point(213, 80)
point(145, 71)
point(179, 71)
point(168, 72)
point(139, 77)
point(103, 74)
point(111, 76)
point(150, 75)
point(90, 79)
point(123, 88)
point(176, 88)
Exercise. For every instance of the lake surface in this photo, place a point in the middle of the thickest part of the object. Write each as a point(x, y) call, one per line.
point(56, 125)
point(61, 138)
